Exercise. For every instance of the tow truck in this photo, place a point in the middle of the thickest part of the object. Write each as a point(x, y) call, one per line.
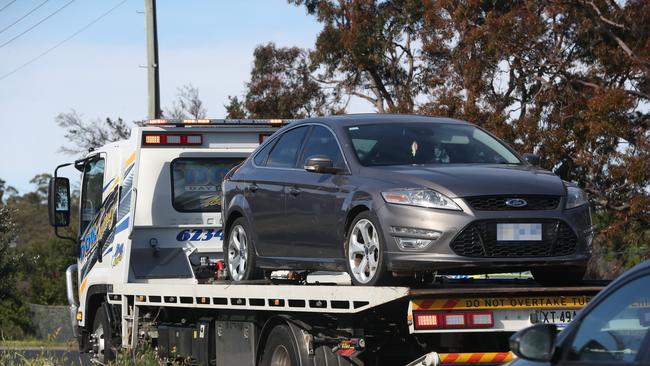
point(150, 271)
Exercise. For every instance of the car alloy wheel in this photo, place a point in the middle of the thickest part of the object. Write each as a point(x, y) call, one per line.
point(364, 251)
point(237, 253)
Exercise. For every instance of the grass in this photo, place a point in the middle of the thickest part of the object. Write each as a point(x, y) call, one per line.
point(36, 344)
point(145, 356)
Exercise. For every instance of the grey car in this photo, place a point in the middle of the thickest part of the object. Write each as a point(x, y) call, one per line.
point(378, 195)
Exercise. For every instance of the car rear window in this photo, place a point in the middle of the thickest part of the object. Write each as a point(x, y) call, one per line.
point(196, 183)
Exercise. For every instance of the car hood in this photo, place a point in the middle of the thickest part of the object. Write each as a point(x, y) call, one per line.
point(474, 180)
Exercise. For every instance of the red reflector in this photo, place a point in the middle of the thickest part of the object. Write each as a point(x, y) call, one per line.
point(166, 139)
point(427, 320)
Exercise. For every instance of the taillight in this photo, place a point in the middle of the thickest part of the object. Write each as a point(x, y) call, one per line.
point(452, 320)
point(166, 139)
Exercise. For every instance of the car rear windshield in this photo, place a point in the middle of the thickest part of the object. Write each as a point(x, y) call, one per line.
point(427, 143)
point(196, 183)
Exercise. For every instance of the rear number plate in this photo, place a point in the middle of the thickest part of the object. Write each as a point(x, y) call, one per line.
point(519, 232)
point(560, 317)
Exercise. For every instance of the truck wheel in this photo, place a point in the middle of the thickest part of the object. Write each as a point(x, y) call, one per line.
point(280, 348)
point(364, 251)
point(240, 255)
point(103, 343)
point(559, 276)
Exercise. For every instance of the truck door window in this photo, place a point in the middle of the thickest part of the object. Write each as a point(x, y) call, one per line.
point(616, 329)
point(92, 189)
point(196, 183)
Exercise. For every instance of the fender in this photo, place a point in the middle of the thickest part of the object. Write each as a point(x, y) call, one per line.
point(298, 329)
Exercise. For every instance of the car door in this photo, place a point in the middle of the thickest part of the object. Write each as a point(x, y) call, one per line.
point(314, 200)
point(615, 331)
point(265, 192)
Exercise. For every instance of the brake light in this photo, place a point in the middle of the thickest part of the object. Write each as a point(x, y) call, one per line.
point(166, 139)
point(452, 320)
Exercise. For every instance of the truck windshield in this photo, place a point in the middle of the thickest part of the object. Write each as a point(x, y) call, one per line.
point(427, 143)
point(196, 183)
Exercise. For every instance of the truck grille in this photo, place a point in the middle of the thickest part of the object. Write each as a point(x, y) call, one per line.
point(498, 203)
point(479, 239)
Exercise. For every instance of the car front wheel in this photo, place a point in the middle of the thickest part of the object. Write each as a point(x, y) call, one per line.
point(364, 249)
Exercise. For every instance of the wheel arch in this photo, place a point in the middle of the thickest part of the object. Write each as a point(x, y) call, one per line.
point(295, 328)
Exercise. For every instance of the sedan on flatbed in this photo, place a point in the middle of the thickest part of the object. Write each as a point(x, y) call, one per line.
point(378, 194)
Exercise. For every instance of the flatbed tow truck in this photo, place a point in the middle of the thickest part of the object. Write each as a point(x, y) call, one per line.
point(151, 272)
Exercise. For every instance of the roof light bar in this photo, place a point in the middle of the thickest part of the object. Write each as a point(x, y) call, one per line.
point(218, 122)
point(166, 139)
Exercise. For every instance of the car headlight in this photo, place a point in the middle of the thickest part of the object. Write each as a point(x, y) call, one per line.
point(420, 197)
point(575, 197)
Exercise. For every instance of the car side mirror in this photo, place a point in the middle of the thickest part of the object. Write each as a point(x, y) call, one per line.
point(320, 164)
point(58, 202)
point(532, 159)
point(535, 343)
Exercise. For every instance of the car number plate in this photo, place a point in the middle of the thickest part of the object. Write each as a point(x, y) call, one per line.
point(519, 232)
point(559, 317)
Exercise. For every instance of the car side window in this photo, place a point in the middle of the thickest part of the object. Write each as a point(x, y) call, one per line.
point(615, 330)
point(285, 151)
point(263, 154)
point(322, 142)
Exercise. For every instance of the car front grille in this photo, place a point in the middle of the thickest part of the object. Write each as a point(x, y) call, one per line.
point(498, 203)
point(479, 239)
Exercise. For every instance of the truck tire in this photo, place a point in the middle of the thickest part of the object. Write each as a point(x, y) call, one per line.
point(359, 263)
point(103, 343)
point(280, 348)
point(559, 276)
point(239, 253)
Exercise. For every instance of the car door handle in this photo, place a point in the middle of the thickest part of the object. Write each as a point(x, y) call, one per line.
point(294, 191)
point(253, 187)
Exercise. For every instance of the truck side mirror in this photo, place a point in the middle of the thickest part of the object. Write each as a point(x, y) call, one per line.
point(535, 343)
point(320, 164)
point(532, 159)
point(58, 202)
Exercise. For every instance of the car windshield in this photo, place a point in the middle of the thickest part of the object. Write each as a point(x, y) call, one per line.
point(427, 143)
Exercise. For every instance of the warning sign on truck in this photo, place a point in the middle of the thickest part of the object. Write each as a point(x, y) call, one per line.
point(564, 302)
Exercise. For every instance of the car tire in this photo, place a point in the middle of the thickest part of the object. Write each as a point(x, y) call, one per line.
point(239, 253)
point(559, 276)
point(364, 249)
point(104, 344)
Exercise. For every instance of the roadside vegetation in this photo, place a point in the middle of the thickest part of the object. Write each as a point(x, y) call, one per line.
point(567, 80)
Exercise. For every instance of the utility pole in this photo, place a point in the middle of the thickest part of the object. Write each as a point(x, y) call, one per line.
point(152, 59)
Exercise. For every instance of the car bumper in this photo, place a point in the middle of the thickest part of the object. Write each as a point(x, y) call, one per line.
point(440, 255)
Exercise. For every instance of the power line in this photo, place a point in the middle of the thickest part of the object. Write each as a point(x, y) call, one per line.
point(37, 24)
point(63, 41)
point(6, 6)
point(23, 17)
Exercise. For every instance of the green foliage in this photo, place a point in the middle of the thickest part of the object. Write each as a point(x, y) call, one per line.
point(90, 135)
point(13, 318)
point(281, 86)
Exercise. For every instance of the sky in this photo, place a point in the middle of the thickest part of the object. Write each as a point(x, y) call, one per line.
point(99, 73)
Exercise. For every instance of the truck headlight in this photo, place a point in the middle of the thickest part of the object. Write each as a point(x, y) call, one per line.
point(575, 197)
point(420, 197)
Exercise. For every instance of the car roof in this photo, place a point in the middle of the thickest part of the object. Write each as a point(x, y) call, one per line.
point(371, 118)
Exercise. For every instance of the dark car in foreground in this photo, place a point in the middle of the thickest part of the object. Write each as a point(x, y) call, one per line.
point(613, 329)
point(379, 194)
